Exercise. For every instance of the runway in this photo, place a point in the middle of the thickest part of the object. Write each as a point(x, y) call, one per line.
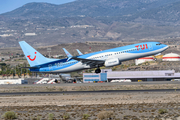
point(98, 84)
point(89, 92)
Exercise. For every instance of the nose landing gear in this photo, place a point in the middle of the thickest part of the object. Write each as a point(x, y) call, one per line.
point(98, 70)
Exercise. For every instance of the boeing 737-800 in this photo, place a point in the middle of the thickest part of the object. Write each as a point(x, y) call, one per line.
point(107, 58)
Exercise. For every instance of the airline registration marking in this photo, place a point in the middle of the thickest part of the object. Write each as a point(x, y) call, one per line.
point(142, 47)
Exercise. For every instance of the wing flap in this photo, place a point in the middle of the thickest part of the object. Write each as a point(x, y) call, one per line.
point(89, 61)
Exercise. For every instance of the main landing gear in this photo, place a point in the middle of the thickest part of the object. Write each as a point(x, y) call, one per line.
point(98, 70)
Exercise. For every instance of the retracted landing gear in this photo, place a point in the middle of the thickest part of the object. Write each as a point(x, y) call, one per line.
point(98, 70)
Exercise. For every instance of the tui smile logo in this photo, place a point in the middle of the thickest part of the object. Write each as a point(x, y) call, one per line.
point(29, 56)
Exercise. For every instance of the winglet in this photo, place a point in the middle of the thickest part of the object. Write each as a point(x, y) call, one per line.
point(68, 54)
point(80, 53)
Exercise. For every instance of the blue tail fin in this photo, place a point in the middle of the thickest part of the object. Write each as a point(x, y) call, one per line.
point(33, 56)
point(80, 53)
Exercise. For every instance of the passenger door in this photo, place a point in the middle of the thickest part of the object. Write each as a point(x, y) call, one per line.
point(150, 46)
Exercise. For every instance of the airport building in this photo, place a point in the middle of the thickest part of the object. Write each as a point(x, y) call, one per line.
point(134, 76)
point(163, 75)
point(93, 77)
point(13, 81)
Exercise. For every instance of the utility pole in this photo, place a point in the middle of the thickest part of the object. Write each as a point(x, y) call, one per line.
point(49, 50)
point(21, 72)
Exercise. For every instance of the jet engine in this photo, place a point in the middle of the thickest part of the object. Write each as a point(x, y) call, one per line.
point(112, 62)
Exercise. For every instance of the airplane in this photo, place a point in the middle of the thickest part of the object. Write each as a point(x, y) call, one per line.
point(107, 58)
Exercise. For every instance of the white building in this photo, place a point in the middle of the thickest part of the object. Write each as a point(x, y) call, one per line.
point(171, 57)
point(134, 76)
point(6, 35)
point(144, 59)
point(13, 81)
point(30, 34)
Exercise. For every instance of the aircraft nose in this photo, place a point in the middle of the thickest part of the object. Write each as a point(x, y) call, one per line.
point(165, 46)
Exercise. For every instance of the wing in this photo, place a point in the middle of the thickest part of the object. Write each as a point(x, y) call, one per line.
point(90, 61)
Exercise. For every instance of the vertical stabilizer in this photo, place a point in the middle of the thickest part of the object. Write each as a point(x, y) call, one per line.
point(33, 57)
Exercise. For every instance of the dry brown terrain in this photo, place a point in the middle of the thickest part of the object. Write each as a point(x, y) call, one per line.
point(84, 87)
point(119, 106)
point(127, 106)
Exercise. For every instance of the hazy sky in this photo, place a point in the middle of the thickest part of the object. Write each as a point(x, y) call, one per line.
point(9, 5)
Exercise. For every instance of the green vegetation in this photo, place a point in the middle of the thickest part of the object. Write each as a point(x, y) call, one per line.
point(162, 111)
point(9, 115)
point(66, 116)
point(51, 116)
point(86, 116)
point(7, 70)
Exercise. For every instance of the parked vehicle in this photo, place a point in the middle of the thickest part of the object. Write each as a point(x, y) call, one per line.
point(41, 81)
point(122, 80)
point(115, 80)
point(175, 80)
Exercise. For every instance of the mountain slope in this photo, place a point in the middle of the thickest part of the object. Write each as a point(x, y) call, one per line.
point(124, 9)
point(91, 20)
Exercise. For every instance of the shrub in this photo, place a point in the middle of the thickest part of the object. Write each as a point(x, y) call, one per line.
point(162, 111)
point(9, 115)
point(51, 116)
point(105, 115)
point(86, 116)
point(66, 116)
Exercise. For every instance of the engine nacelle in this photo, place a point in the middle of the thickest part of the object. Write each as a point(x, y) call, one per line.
point(112, 62)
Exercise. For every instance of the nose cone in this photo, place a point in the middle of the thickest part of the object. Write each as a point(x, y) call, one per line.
point(166, 46)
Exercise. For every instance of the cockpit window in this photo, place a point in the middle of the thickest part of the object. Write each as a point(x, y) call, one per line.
point(158, 44)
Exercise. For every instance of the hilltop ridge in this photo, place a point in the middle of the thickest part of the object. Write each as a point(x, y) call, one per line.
point(91, 20)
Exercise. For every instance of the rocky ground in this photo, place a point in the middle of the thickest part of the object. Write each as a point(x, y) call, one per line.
point(116, 106)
